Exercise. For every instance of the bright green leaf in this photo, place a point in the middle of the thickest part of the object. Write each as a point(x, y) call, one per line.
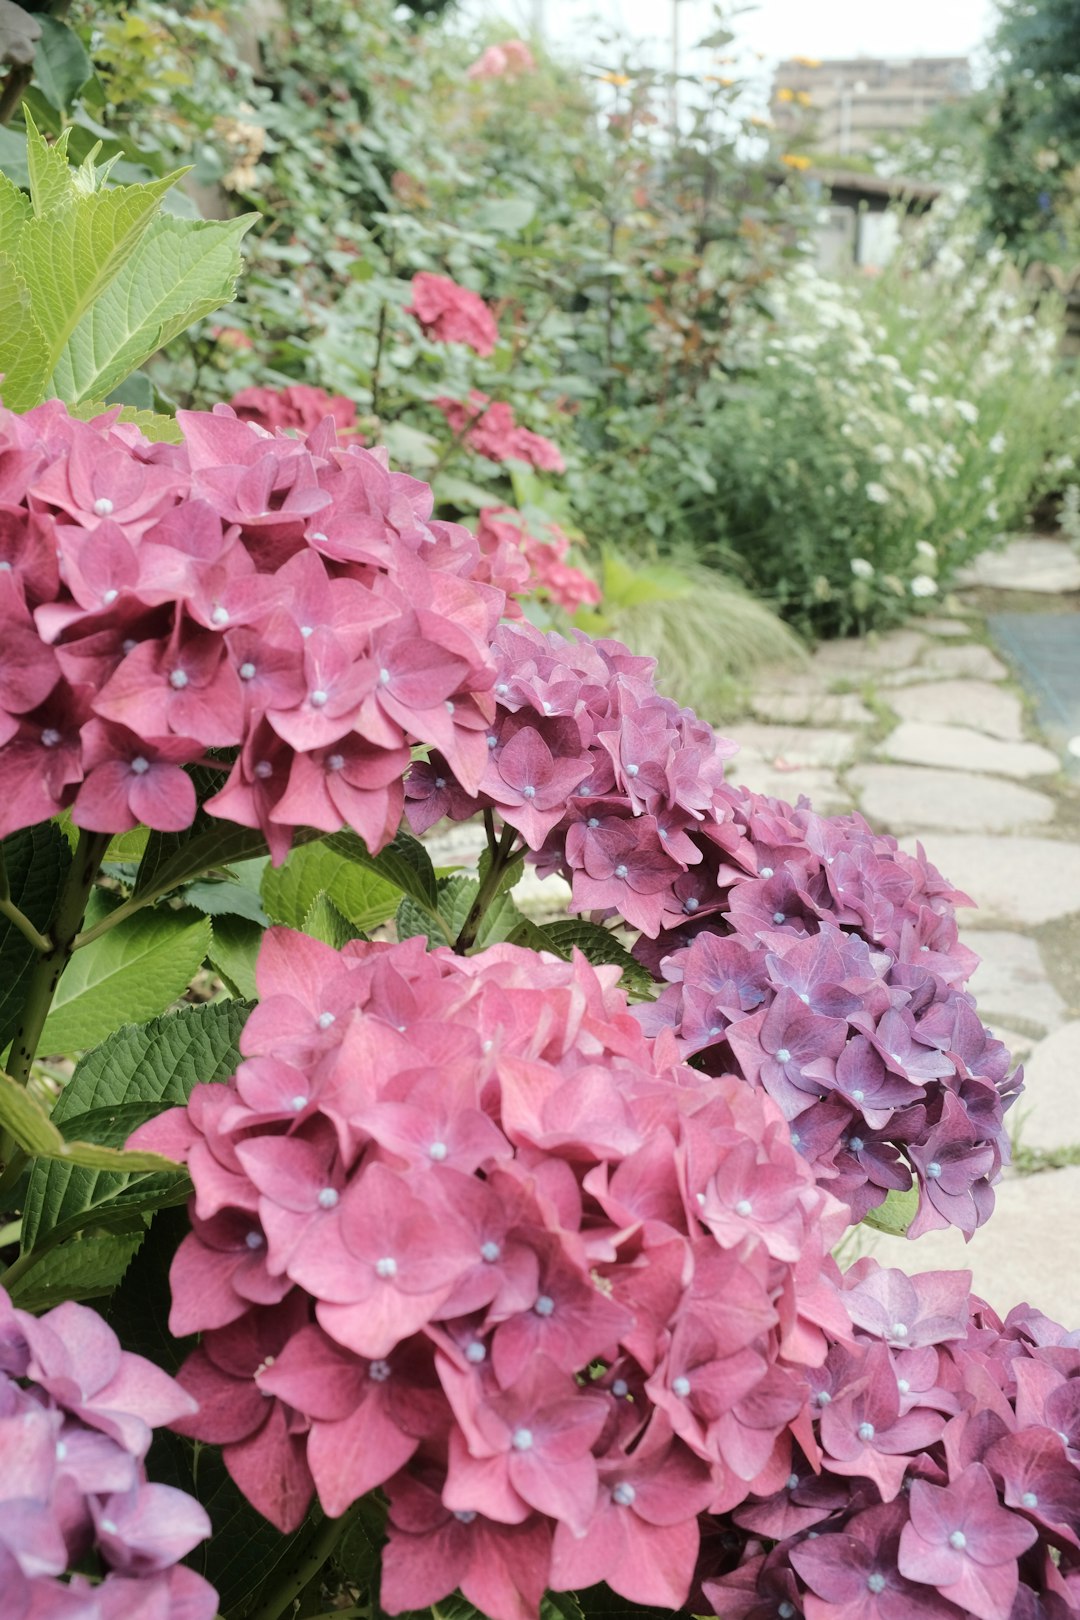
point(404, 862)
point(361, 893)
point(225, 897)
point(324, 921)
point(146, 1068)
point(23, 1116)
point(599, 945)
point(24, 353)
point(180, 271)
point(85, 1268)
point(234, 952)
point(51, 185)
point(896, 1214)
point(61, 65)
point(506, 215)
point(151, 424)
point(131, 972)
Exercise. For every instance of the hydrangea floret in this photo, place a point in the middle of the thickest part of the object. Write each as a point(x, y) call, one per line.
point(77, 1415)
point(450, 313)
point(462, 1231)
point(807, 955)
point(291, 600)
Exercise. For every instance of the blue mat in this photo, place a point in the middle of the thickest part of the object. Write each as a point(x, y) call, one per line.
point(1044, 649)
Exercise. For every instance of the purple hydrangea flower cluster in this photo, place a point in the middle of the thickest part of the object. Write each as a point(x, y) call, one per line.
point(461, 1231)
point(289, 600)
point(940, 1477)
point(805, 954)
point(76, 1419)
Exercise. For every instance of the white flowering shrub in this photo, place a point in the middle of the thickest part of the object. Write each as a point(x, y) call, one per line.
point(864, 439)
point(907, 421)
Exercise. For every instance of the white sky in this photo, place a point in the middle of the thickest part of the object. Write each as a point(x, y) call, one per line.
point(775, 28)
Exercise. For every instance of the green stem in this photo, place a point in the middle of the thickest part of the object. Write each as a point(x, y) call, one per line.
point(40, 942)
point(119, 914)
point(23, 1262)
point(502, 854)
point(311, 1557)
point(19, 919)
point(45, 974)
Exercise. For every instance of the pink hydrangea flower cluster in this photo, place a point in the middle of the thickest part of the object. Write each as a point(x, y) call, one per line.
point(941, 1478)
point(450, 313)
point(77, 1415)
point(805, 954)
point(509, 58)
point(289, 599)
point(488, 427)
point(461, 1231)
point(298, 408)
point(524, 563)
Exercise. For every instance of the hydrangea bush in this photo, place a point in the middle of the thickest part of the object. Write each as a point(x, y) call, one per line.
point(507, 1268)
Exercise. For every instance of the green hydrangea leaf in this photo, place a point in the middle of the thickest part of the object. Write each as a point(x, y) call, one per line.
point(131, 972)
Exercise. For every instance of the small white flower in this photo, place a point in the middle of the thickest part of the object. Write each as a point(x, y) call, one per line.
point(919, 404)
point(925, 549)
point(997, 444)
point(878, 494)
point(861, 568)
point(968, 411)
point(923, 585)
point(992, 511)
point(882, 454)
point(912, 457)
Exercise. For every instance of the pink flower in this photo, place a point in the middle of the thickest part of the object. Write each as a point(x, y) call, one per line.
point(452, 314)
point(961, 1540)
point(507, 59)
point(489, 428)
point(297, 408)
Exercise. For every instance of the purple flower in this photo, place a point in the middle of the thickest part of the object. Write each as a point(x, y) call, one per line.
point(961, 1540)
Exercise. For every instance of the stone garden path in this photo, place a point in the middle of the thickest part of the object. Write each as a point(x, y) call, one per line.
point(925, 731)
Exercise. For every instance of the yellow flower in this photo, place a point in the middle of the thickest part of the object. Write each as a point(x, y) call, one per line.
point(784, 94)
point(714, 78)
point(615, 78)
point(807, 61)
point(795, 160)
point(803, 98)
point(761, 123)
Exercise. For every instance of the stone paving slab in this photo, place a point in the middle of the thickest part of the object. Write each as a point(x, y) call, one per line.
point(1015, 881)
point(1011, 983)
point(1030, 563)
point(857, 659)
point(905, 798)
point(806, 706)
point(1048, 1112)
point(796, 745)
point(945, 627)
point(1024, 1254)
point(820, 786)
point(917, 742)
point(969, 660)
point(977, 704)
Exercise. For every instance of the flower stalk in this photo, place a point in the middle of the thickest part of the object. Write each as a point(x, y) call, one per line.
point(45, 976)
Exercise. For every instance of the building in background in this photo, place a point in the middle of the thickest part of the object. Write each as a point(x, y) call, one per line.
point(844, 107)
